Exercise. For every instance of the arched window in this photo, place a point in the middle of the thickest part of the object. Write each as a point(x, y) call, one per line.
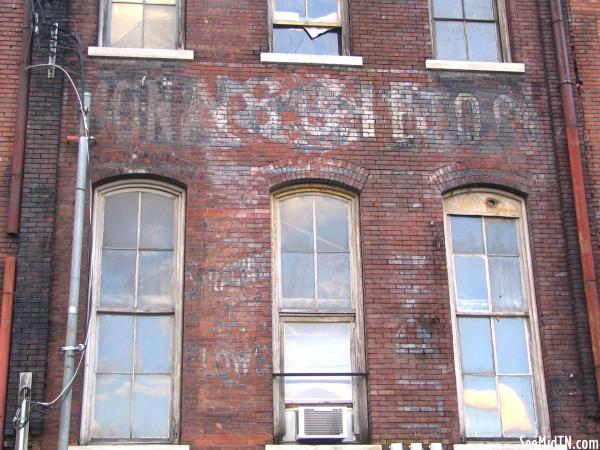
point(317, 315)
point(132, 377)
point(498, 361)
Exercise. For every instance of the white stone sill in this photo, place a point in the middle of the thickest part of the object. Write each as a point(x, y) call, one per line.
point(296, 58)
point(475, 66)
point(143, 53)
point(322, 447)
point(130, 447)
point(507, 446)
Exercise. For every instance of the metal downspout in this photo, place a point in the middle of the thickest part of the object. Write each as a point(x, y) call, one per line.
point(18, 154)
point(8, 291)
point(577, 179)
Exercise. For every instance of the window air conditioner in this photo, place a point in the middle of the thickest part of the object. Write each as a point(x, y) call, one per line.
point(320, 422)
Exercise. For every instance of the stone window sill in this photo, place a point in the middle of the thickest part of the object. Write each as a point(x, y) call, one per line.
point(130, 447)
point(475, 66)
point(144, 53)
point(507, 446)
point(323, 447)
point(295, 58)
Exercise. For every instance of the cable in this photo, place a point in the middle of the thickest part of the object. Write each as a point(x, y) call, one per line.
point(66, 72)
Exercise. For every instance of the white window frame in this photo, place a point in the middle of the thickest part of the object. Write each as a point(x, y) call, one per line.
point(355, 318)
point(501, 25)
point(143, 52)
point(483, 202)
point(178, 195)
point(343, 24)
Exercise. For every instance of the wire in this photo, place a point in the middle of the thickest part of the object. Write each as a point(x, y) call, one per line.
point(66, 72)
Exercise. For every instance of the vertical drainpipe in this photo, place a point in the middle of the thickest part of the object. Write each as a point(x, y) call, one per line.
point(8, 291)
point(18, 155)
point(577, 179)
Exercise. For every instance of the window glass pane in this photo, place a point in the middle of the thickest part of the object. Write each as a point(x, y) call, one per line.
point(505, 283)
point(516, 406)
point(160, 26)
point(155, 279)
point(467, 235)
point(450, 41)
point(323, 10)
point(297, 224)
point(511, 346)
point(449, 9)
point(479, 9)
point(154, 343)
point(471, 285)
point(118, 278)
point(126, 25)
point(292, 10)
point(476, 345)
point(482, 40)
point(151, 406)
point(111, 407)
point(297, 275)
point(501, 236)
point(298, 40)
point(333, 277)
point(332, 224)
point(162, 2)
point(156, 227)
point(317, 347)
point(120, 220)
point(481, 406)
point(115, 343)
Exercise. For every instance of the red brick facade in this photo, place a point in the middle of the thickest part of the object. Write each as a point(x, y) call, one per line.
point(232, 130)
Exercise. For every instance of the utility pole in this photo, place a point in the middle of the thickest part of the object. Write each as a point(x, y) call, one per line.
point(76, 250)
point(22, 421)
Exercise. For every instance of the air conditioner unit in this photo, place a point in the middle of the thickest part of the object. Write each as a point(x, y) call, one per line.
point(320, 422)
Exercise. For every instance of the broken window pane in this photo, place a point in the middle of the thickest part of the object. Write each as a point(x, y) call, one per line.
point(298, 40)
point(126, 25)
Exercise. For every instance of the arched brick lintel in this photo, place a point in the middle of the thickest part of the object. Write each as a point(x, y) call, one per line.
point(323, 170)
point(451, 177)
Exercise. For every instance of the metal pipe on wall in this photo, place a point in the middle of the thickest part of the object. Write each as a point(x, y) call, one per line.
point(18, 154)
point(8, 292)
point(577, 179)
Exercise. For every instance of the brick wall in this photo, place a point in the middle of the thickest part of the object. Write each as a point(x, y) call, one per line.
point(232, 129)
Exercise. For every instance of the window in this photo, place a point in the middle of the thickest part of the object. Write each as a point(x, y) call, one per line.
point(313, 27)
point(151, 24)
point(132, 373)
point(317, 311)
point(498, 360)
point(470, 30)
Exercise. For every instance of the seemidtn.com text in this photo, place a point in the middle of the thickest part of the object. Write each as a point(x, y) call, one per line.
point(559, 441)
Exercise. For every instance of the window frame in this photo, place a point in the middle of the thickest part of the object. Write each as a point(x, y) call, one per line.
point(501, 21)
point(344, 26)
point(355, 318)
point(97, 227)
point(474, 202)
point(104, 24)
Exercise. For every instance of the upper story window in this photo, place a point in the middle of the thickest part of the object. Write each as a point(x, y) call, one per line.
point(499, 371)
point(314, 27)
point(150, 24)
point(317, 315)
point(470, 30)
point(132, 375)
